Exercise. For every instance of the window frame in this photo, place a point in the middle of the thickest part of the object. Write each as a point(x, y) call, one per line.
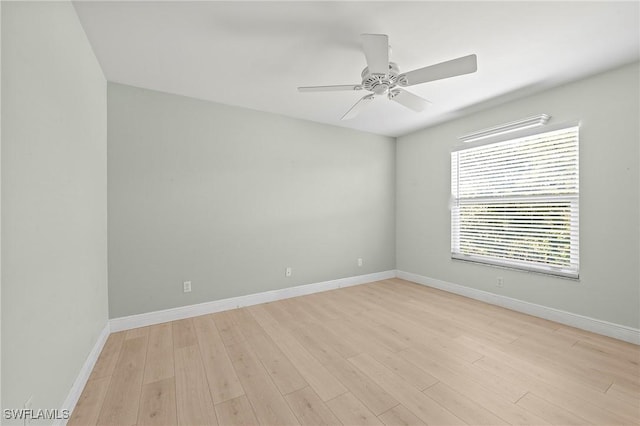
point(571, 272)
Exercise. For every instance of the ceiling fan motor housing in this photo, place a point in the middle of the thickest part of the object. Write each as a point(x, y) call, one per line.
point(381, 83)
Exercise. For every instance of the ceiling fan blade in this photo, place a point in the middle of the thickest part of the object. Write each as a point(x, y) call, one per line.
point(409, 100)
point(376, 50)
point(338, 88)
point(452, 68)
point(355, 110)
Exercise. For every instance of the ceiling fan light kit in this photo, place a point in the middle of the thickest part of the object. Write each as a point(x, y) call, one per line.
point(383, 78)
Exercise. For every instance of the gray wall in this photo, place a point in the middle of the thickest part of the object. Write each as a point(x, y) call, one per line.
point(228, 198)
point(54, 239)
point(608, 288)
point(0, 206)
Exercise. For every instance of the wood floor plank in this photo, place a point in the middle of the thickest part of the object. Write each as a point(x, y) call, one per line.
point(193, 400)
point(491, 399)
point(108, 358)
point(422, 355)
point(374, 335)
point(120, 405)
point(356, 335)
point(221, 376)
point(533, 363)
point(419, 316)
point(236, 412)
point(136, 332)
point(309, 408)
point(597, 406)
point(400, 416)
point(450, 307)
point(624, 394)
point(183, 333)
point(589, 361)
point(342, 346)
point(463, 407)
point(159, 364)
point(325, 385)
point(285, 376)
point(298, 310)
point(466, 324)
point(315, 310)
point(245, 322)
point(351, 411)
point(381, 335)
point(372, 395)
point(598, 339)
point(88, 407)
point(574, 368)
point(417, 402)
point(227, 327)
point(615, 350)
point(322, 301)
point(526, 373)
point(526, 329)
point(319, 348)
point(466, 313)
point(420, 335)
point(269, 406)
point(280, 315)
point(341, 301)
point(627, 386)
point(406, 370)
point(158, 403)
point(549, 411)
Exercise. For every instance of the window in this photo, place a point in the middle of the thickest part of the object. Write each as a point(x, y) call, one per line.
point(515, 203)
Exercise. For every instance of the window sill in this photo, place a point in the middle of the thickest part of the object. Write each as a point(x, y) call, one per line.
point(550, 273)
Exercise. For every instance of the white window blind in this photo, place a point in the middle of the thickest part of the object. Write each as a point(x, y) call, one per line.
point(515, 203)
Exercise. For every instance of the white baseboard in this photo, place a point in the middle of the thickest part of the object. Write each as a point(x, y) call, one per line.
point(617, 331)
point(157, 317)
point(83, 376)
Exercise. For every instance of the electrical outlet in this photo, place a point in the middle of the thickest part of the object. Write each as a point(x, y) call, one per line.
point(499, 282)
point(186, 287)
point(288, 272)
point(359, 261)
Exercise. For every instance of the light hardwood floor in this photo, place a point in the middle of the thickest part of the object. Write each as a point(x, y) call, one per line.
point(390, 352)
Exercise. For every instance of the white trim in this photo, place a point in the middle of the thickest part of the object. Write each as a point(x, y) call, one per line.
point(518, 134)
point(182, 312)
point(617, 331)
point(83, 376)
point(525, 123)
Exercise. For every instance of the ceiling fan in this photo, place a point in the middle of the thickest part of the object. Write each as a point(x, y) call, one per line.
point(382, 77)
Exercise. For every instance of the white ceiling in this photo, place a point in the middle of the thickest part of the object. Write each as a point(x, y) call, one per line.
point(255, 54)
